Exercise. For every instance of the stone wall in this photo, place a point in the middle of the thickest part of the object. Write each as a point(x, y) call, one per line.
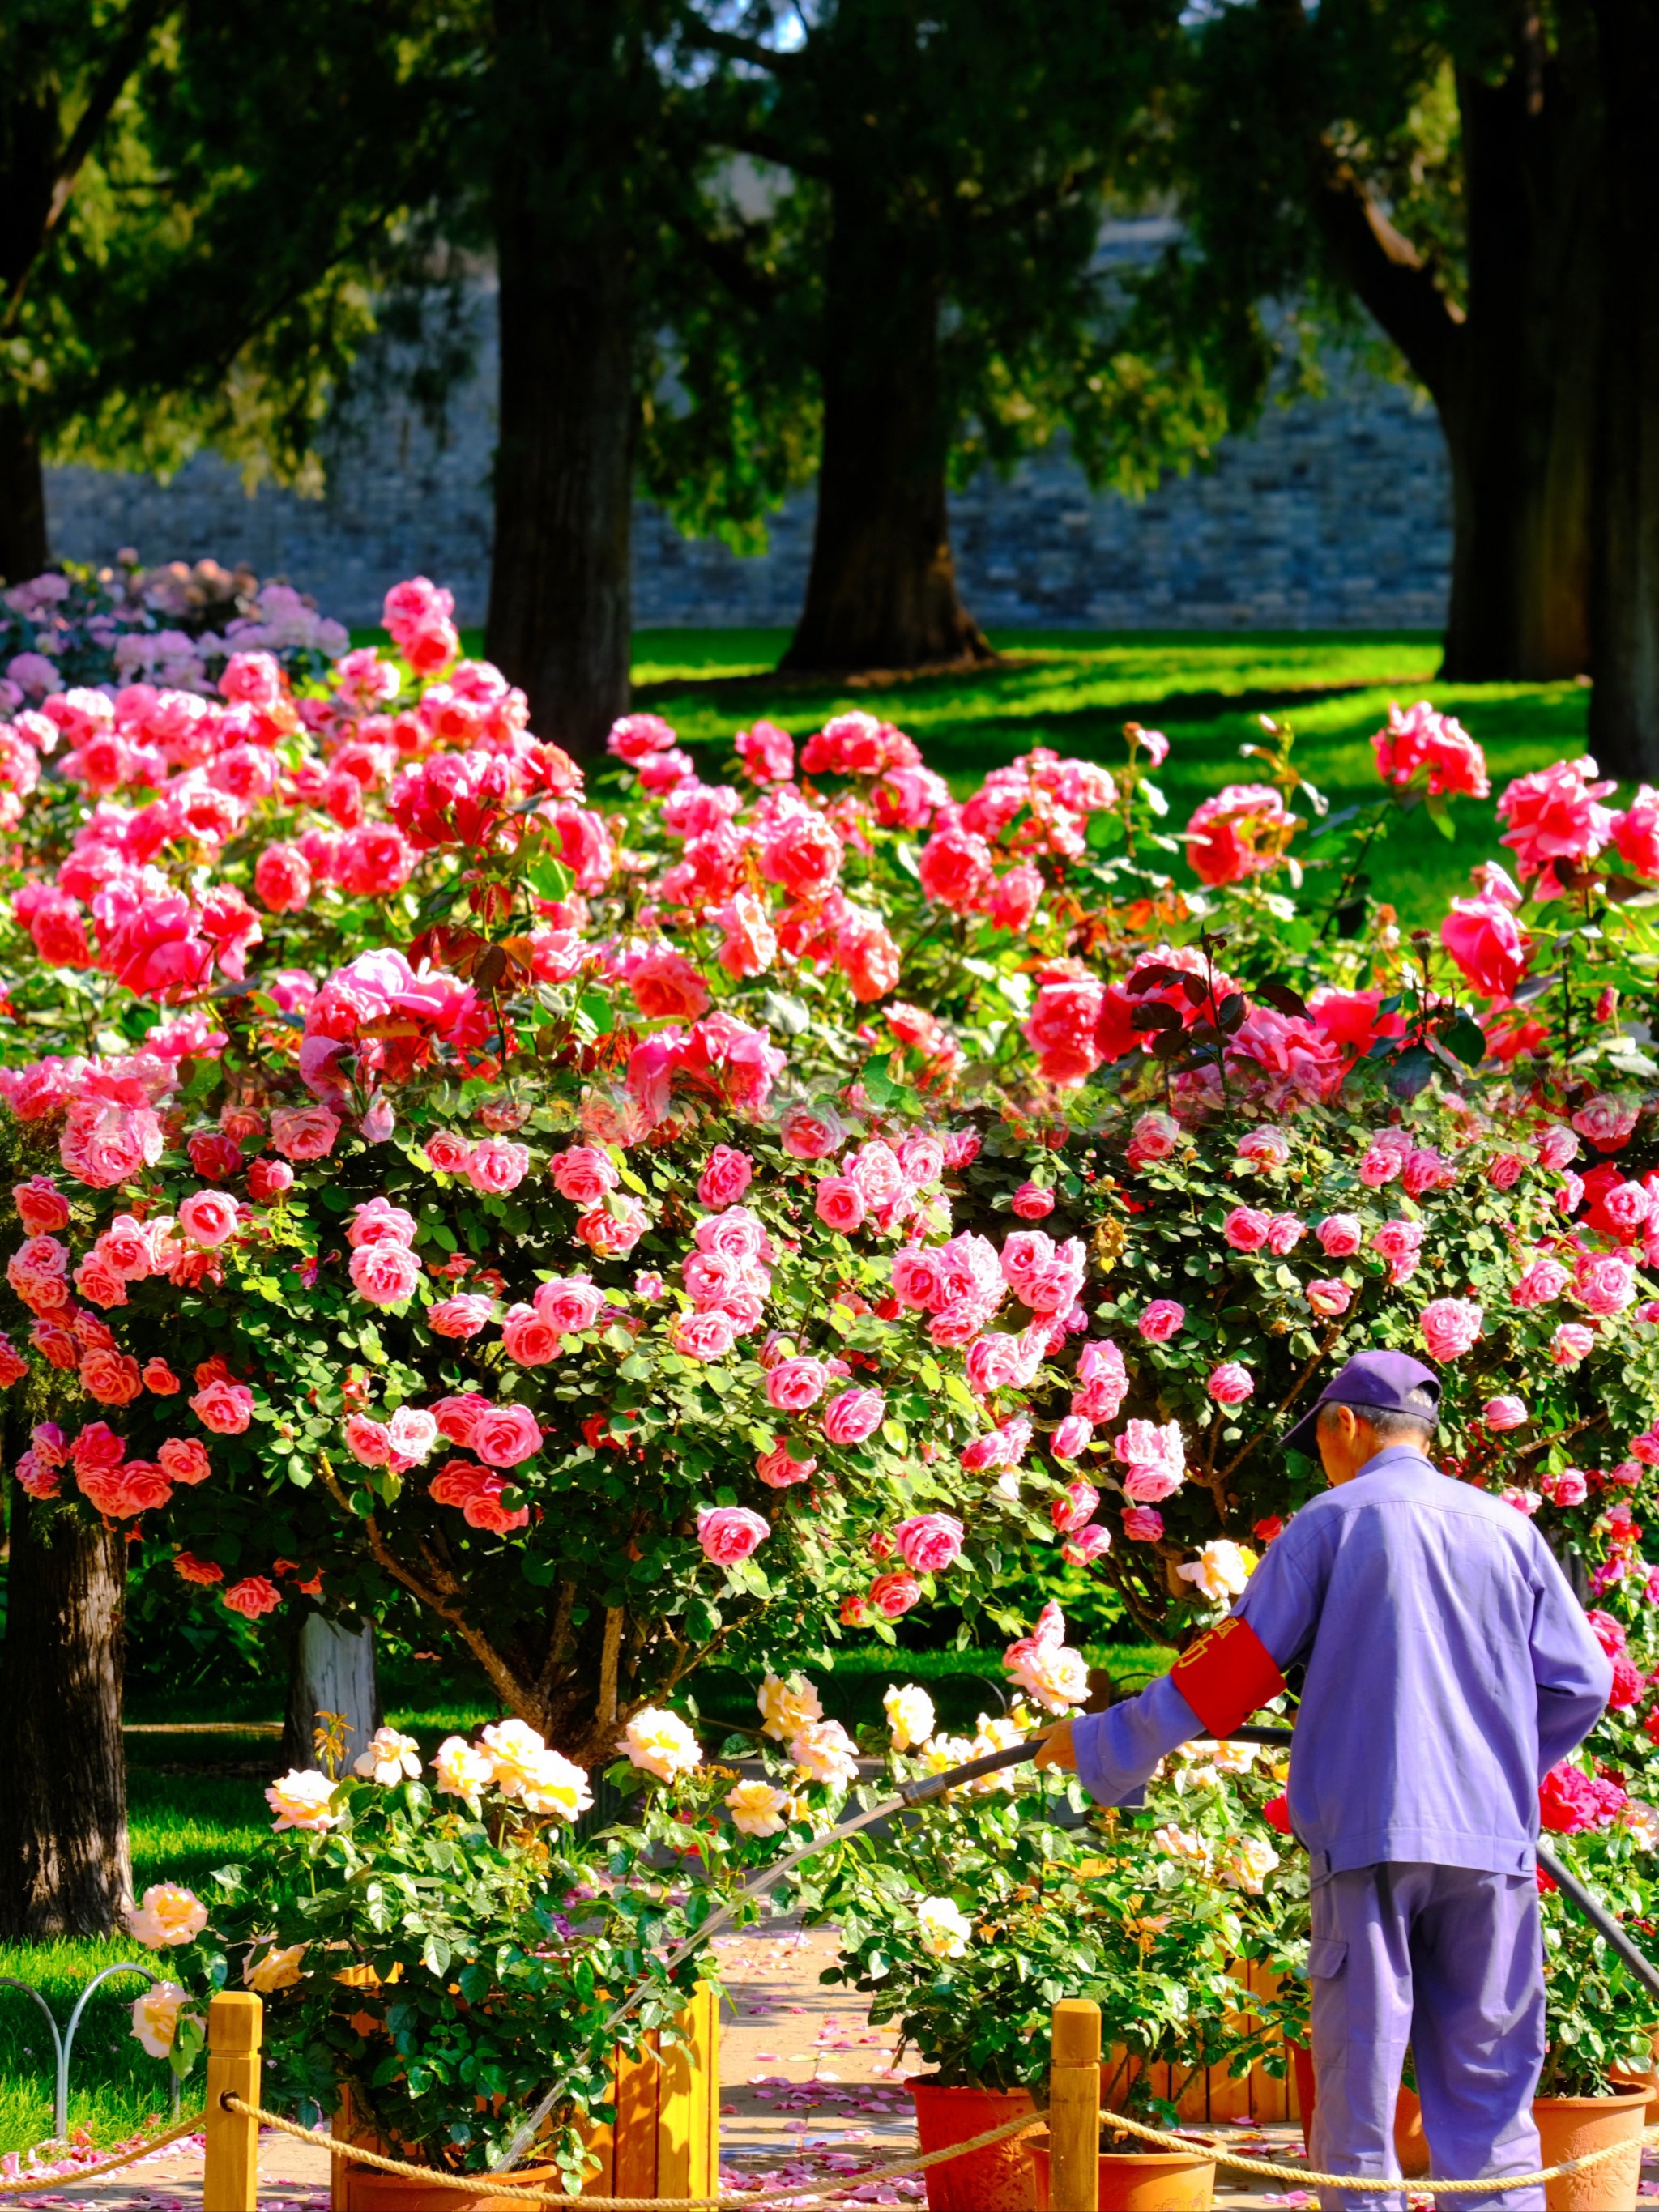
point(1331, 513)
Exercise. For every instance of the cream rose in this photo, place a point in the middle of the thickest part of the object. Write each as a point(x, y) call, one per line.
point(909, 1713)
point(301, 1799)
point(166, 1915)
point(788, 1706)
point(758, 1809)
point(944, 1927)
point(661, 1744)
point(389, 1758)
point(155, 2017)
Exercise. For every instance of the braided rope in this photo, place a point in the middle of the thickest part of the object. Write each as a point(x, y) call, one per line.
point(481, 2184)
point(490, 2184)
point(83, 2173)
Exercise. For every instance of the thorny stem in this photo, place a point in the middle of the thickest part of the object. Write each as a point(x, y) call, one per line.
point(1351, 878)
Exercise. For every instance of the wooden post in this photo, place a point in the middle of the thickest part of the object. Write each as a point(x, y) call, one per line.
point(1073, 2108)
point(230, 2178)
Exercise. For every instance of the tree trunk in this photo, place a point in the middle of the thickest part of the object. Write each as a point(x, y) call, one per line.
point(1624, 726)
point(1520, 402)
point(22, 502)
point(333, 1671)
point(65, 1867)
point(882, 591)
point(560, 589)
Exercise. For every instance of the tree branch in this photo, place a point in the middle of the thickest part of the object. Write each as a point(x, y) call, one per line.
point(731, 48)
point(729, 264)
point(1388, 274)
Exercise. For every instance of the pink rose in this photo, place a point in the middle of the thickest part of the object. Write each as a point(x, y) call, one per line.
point(267, 1180)
point(1031, 1202)
point(1339, 1234)
point(839, 1204)
point(252, 1596)
point(386, 1273)
point(1149, 1486)
point(955, 868)
point(894, 1594)
point(1606, 1283)
point(583, 1174)
point(1450, 1327)
point(1505, 1413)
point(527, 1338)
point(1071, 1436)
point(726, 1177)
point(1557, 1148)
point(1285, 1233)
point(1607, 1122)
point(794, 1384)
point(667, 987)
point(568, 1303)
point(463, 1317)
point(369, 1441)
point(1487, 942)
point(1265, 1149)
point(502, 1436)
point(1554, 814)
point(1161, 1320)
point(282, 877)
point(767, 752)
point(1505, 1171)
point(1153, 1138)
point(1567, 1488)
point(208, 1217)
point(1142, 1525)
point(183, 1459)
point(929, 1542)
point(1328, 1298)
point(447, 1152)
point(779, 1470)
point(379, 1222)
point(41, 1207)
point(1086, 1545)
point(1246, 1229)
point(1379, 1164)
point(304, 1133)
point(811, 1133)
point(853, 1415)
point(611, 1231)
point(709, 1335)
point(1571, 1342)
point(1541, 1282)
point(730, 1533)
point(496, 1166)
point(1231, 1384)
point(225, 1407)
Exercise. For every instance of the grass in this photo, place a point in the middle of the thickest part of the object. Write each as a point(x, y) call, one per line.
point(1074, 689)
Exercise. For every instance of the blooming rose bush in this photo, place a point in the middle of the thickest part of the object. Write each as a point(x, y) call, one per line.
point(695, 1215)
point(443, 1944)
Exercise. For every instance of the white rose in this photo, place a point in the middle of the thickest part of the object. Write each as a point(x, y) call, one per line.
point(824, 1751)
point(909, 1716)
point(944, 1927)
point(1221, 1568)
point(1247, 1862)
point(461, 1770)
point(389, 1758)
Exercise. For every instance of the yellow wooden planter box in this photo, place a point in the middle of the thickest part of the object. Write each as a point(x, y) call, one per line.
point(1215, 2094)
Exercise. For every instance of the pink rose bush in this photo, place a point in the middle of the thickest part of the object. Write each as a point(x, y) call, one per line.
point(512, 1181)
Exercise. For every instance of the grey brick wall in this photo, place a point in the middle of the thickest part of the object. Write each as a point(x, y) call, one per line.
point(1332, 514)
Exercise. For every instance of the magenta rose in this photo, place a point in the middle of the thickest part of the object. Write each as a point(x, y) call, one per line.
point(208, 1217)
point(1031, 1202)
point(501, 1435)
point(1247, 1228)
point(528, 1339)
point(730, 1533)
point(1339, 1234)
point(1161, 1320)
point(1143, 1525)
point(929, 1542)
point(385, 1274)
point(794, 1384)
point(568, 1303)
point(1231, 1384)
point(853, 1415)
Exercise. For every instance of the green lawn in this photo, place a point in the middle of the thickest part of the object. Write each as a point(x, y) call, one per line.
point(1074, 689)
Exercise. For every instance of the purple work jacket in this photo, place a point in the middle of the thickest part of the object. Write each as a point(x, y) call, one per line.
point(1448, 1667)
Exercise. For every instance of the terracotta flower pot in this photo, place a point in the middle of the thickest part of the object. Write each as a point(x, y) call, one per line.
point(1138, 2180)
point(1411, 2145)
point(998, 2179)
point(1568, 2127)
point(366, 2191)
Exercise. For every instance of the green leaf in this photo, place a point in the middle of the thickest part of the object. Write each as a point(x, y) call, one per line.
point(548, 878)
point(1465, 1040)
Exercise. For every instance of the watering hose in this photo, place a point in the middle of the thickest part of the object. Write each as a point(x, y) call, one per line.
point(910, 1795)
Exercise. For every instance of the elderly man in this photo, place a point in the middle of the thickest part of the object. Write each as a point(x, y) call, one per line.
point(1448, 1667)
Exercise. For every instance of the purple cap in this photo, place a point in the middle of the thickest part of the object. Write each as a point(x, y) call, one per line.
point(1392, 1382)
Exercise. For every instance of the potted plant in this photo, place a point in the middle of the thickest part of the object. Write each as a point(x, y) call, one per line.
point(1596, 2077)
point(966, 1922)
point(434, 1956)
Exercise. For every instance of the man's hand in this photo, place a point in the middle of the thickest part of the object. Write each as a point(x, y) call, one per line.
point(1057, 1748)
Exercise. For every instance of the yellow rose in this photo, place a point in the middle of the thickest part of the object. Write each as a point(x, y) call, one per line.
point(277, 1969)
point(155, 2017)
point(661, 1744)
point(787, 1706)
point(758, 1809)
point(301, 1799)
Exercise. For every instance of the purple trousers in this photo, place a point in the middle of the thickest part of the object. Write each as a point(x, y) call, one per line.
point(1450, 1961)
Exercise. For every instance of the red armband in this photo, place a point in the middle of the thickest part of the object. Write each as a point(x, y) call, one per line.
point(1227, 1674)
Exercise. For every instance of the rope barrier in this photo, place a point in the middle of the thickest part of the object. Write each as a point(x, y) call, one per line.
point(83, 2173)
point(493, 2184)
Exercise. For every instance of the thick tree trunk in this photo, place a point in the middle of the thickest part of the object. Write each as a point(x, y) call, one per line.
point(882, 592)
point(560, 594)
point(22, 502)
point(64, 1867)
point(1519, 404)
point(1624, 704)
point(333, 1671)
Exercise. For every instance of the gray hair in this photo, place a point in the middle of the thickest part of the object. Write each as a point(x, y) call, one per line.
point(1389, 1423)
